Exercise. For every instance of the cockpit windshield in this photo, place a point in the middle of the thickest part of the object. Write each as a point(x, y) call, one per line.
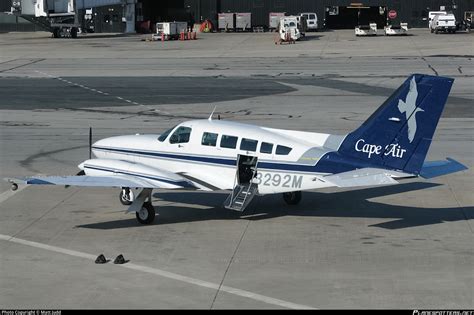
point(165, 134)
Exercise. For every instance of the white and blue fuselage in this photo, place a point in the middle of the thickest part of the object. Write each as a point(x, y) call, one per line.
point(286, 159)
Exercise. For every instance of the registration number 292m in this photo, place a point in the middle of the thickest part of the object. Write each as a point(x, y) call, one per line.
point(279, 180)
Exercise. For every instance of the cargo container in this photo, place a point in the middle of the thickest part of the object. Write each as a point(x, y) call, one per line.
point(274, 19)
point(226, 21)
point(243, 21)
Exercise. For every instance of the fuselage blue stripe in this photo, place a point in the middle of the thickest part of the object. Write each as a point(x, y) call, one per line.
point(220, 161)
point(329, 163)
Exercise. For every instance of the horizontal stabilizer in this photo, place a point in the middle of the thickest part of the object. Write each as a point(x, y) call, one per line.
point(362, 177)
point(433, 169)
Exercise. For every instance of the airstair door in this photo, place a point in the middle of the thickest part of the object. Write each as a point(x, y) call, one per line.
point(244, 188)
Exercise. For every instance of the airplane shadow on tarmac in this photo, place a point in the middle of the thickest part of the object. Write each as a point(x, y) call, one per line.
point(347, 204)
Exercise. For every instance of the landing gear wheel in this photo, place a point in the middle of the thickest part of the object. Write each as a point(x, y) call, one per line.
point(146, 215)
point(56, 33)
point(126, 196)
point(74, 31)
point(292, 198)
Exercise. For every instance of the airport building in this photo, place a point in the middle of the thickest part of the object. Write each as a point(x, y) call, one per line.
point(141, 15)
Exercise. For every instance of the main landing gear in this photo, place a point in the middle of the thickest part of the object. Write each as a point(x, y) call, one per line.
point(141, 204)
point(292, 198)
point(146, 215)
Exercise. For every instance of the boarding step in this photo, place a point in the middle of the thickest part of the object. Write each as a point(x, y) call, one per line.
point(240, 197)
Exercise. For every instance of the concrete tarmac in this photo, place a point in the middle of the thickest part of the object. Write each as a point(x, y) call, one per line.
point(402, 246)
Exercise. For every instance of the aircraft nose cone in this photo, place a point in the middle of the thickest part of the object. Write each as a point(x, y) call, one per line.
point(99, 146)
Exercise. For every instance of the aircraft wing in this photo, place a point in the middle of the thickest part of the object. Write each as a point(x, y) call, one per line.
point(105, 181)
point(365, 177)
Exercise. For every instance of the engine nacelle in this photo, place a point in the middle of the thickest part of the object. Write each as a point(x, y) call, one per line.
point(158, 177)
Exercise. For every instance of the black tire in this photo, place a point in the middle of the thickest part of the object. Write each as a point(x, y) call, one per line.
point(147, 214)
point(74, 32)
point(292, 198)
point(123, 199)
point(56, 33)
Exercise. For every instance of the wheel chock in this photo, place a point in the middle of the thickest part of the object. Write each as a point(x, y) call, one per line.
point(120, 260)
point(101, 259)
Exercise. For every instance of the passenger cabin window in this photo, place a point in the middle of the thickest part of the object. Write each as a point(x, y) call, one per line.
point(165, 134)
point(181, 135)
point(209, 139)
point(266, 148)
point(229, 142)
point(282, 150)
point(248, 145)
point(312, 17)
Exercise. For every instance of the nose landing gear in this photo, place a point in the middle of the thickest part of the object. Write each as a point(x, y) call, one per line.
point(126, 196)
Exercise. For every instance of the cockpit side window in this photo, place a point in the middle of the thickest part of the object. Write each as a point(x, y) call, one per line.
point(165, 134)
point(181, 135)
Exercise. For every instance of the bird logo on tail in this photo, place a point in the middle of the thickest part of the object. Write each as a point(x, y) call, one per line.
point(409, 108)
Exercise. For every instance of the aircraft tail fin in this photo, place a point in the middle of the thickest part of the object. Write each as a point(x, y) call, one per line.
point(399, 133)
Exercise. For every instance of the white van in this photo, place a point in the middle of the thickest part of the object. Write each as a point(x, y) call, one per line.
point(443, 23)
point(311, 20)
point(432, 14)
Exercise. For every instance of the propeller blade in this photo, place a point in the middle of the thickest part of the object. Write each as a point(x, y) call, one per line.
point(90, 143)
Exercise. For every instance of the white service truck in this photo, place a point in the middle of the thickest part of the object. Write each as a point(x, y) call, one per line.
point(57, 16)
point(289, 28)
point(443, 23)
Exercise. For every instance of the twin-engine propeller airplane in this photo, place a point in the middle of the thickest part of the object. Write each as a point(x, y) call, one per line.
point(250, 160)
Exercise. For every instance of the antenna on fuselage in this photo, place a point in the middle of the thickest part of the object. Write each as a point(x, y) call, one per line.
point(210, 116)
